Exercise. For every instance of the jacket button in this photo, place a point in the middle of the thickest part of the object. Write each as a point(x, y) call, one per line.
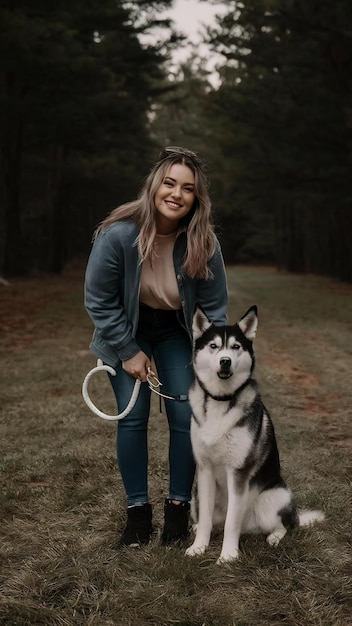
point(178, 277)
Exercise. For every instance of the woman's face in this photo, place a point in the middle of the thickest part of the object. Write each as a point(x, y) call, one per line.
point(174, 198)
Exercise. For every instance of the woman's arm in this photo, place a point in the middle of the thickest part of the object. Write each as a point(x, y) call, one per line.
point(103, 298)
point(212, 294)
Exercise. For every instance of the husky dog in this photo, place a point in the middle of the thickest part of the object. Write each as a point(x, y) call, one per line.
point(233, 439)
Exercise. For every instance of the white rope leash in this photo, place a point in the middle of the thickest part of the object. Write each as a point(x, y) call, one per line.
point(106, 368)
point(153, 383)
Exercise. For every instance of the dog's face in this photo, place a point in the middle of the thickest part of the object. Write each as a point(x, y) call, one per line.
point(223, 356)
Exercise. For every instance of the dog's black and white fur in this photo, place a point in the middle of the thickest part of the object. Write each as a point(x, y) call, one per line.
point(233, 439)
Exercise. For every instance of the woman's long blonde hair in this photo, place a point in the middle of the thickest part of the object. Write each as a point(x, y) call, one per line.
point(198, 224)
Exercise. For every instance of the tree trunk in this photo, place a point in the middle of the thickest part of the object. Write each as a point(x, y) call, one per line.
point(13, 263)
point(56, 207)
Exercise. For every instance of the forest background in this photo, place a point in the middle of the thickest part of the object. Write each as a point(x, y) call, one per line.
point(86, 104)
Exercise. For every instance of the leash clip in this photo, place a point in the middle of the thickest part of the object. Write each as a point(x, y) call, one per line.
point(155, 384)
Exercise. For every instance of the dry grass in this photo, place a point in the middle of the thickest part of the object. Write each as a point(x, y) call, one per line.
point(62, 502)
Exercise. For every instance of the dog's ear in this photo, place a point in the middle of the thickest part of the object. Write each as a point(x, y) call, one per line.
point(200, 323)
point(249, 323)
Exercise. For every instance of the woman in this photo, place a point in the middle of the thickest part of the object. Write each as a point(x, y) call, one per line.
point(153, 261)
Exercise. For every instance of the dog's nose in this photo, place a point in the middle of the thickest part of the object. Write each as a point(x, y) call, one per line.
point(225, 361)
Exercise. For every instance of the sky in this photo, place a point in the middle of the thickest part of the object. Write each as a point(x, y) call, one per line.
point(191, 17)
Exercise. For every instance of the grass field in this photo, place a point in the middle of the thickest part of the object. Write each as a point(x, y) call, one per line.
point(62, 503)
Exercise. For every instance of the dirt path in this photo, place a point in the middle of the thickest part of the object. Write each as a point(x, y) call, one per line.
point(305, 356)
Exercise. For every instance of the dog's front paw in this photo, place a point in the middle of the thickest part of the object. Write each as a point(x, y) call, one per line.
point(194, 550)
point(228, 557)
point(275, 537)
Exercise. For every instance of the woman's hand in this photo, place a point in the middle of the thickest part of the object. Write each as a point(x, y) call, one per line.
point(139, 366)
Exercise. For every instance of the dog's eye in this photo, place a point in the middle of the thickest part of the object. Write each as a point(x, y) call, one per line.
point(236, 346)
point(213, 346)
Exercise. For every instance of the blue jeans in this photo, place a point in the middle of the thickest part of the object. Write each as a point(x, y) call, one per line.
point(162, 338)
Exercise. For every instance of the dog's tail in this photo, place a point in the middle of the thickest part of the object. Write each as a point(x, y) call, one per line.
point(307, 518)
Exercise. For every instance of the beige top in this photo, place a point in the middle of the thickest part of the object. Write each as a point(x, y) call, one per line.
point(158, 281)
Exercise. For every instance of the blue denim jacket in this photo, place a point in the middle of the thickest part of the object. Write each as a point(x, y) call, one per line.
point(112, 291)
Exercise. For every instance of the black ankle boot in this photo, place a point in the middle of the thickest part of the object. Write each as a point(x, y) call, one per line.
point(139, 527)
point(176, 525)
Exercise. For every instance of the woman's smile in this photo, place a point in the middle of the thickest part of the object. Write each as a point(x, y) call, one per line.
point(172, 205)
